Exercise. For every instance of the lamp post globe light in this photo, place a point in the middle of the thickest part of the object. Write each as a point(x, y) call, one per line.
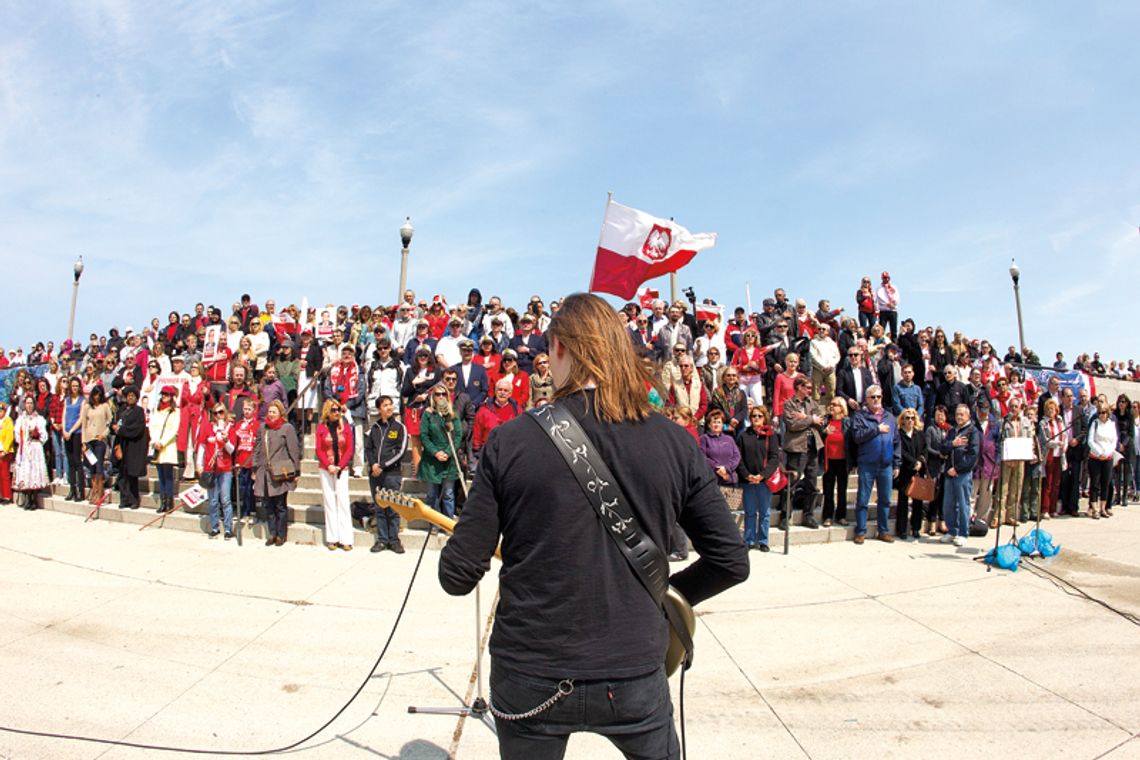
point(406, 232)
point(1015, 275)
point(77, 270)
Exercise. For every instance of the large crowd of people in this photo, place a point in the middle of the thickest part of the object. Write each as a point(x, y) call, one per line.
point(785, 403)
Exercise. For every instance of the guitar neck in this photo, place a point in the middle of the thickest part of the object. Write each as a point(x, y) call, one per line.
point(411, 508)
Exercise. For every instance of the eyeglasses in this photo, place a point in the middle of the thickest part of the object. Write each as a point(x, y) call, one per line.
point(334, 410)
point(449, 380)
point(439, 394)
point(678, 350)
point(869, 395)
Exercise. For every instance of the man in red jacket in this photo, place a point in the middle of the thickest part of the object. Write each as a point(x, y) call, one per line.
point(498, 409)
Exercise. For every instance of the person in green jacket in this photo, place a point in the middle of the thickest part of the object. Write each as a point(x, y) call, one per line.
point(441, 431)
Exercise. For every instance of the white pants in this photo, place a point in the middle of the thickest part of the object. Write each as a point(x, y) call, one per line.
point(338, 511)
point(754, 388)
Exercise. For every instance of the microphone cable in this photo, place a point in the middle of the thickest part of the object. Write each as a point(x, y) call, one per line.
point(246, 753)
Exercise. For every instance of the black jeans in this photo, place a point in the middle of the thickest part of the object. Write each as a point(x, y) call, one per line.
point(1071, 480)
point(387, 521)
point(76, 473)
point(276, 515)
point(1100, 480)
point(835, 489)
point(636, 714)
point(915, 508)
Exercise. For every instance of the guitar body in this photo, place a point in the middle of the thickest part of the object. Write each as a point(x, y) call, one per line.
point(410, 508)
point(675, 654)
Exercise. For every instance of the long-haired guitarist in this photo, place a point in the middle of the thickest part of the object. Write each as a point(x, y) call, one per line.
point(578, 642)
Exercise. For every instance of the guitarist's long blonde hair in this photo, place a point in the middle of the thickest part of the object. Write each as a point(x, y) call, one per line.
point(593, 333)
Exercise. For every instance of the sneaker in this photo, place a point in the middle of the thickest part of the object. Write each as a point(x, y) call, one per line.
point(946, 539)
point(229, 534)
point(378, 547)
point(959, 541)
point(214, 533)
point(396, 547)
point(763, 547)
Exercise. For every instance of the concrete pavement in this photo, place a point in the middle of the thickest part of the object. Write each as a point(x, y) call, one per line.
point(836, 651)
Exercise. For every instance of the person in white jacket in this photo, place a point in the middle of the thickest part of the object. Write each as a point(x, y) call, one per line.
point(1102, 443)
point(824, 360)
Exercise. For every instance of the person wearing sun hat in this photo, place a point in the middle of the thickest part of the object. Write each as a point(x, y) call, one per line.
point(163, 428)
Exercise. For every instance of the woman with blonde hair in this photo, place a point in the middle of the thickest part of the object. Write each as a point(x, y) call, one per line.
point(711, 336)
point(913, 448)
point(335, 444)
point(441, 430)
point(541, 382)
point(259, 346)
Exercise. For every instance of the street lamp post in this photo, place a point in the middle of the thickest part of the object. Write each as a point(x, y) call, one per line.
point(77, 269)
point(406, 232)
point(1015, 275)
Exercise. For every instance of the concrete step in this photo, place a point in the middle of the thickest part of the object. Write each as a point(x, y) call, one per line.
point(411, 536)
point(307, 521)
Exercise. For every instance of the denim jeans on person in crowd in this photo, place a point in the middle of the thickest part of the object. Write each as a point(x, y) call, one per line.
point(165, 480)
point(956, 503)
point(246, 503)
point(757, 511)
point(880, 478)
point(98, 450)
point(446, 490)
point(59, 454)
point(635, 714)
point(220, 498)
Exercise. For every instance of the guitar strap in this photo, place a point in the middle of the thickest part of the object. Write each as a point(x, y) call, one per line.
point(606, 497)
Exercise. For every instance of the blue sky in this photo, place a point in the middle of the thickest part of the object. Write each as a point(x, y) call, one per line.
point(199, 150)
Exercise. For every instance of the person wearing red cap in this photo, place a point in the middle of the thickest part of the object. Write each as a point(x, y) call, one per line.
point(887, 302)
point(163, 427)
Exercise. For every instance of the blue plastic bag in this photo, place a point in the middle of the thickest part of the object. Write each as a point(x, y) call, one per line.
point(1038, 541)
point(1006, 556)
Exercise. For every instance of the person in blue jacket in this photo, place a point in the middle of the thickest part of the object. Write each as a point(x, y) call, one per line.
point(961, 445)
point(875, 432)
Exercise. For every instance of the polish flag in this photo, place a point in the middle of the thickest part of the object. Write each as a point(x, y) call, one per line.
point(646, 296)
point(635, 247)
point(707, 312)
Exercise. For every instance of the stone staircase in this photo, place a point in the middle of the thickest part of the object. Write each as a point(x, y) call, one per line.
point(306, 514)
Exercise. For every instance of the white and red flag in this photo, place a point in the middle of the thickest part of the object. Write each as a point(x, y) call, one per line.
point(635, 247)
point(646, 296)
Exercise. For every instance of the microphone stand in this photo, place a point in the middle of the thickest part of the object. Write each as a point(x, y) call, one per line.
point(479, 707)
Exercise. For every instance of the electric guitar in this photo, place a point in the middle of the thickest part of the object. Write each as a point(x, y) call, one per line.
point(410, 508)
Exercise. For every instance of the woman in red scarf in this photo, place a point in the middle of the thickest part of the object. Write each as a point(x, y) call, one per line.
point(276, 444)
point(935, 465)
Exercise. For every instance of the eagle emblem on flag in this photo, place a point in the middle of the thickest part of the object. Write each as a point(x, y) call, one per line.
point(657, 243)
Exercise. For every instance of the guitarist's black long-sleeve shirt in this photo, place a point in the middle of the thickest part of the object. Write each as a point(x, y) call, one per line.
point(570, 605)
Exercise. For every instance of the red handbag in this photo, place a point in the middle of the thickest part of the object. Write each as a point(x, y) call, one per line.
point(778, 481)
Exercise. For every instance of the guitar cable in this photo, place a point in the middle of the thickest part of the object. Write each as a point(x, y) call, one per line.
point(247, 753)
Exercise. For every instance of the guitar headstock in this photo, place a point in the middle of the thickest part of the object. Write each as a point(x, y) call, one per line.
point(408, 507)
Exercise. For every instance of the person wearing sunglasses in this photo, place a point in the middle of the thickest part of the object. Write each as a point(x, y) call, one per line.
point(335, 444)
point(441, 434)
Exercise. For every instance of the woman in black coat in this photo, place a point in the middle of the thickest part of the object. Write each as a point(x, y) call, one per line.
point(935, 468)
point(913, 446)
point(131, 444)
point(759, 459)
point(1121, 476)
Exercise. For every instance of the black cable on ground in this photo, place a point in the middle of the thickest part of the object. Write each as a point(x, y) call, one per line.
point(681, 699)
point(1073, 589)
point(275, 750)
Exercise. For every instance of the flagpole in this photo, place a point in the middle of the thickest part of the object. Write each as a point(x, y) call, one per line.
point(593, 269)
point(748, 298)
point(672, 284)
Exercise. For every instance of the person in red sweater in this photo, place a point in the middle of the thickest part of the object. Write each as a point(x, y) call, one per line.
point(495, 411)
point(785, 383)
point(245, 438)
point(195, 396)
point(215, 455)
point(218, 370)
